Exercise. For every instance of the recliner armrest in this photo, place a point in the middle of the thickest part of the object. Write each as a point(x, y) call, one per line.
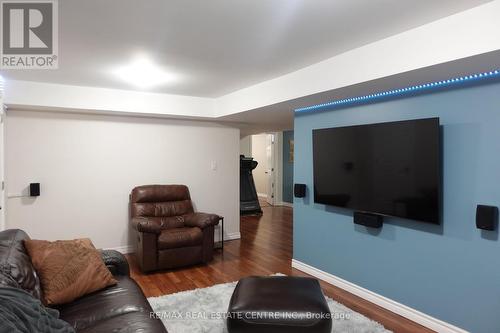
point(143, 224)
point(201, 220)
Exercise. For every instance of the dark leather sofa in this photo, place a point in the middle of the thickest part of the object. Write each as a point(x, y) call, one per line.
point(169, 233)
point(119, 308)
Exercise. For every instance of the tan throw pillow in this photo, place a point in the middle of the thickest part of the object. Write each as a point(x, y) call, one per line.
point(68, 269)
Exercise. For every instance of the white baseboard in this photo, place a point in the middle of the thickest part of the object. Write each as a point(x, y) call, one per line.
point(130, 248)
point(262, 195)
point(389, 304)
point(232, 236)
point(286, 204)
point(123, 249)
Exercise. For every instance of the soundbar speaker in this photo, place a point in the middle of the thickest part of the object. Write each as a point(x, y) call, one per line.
point(368, 220)
point(34, 189)
point(486, 217)
point(299, 190)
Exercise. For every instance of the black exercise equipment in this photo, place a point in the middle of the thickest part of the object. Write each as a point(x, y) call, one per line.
point(249, 202)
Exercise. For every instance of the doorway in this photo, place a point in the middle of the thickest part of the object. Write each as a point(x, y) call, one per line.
point(265, 148)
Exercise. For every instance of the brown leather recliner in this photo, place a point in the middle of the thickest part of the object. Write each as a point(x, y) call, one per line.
point(169, 233)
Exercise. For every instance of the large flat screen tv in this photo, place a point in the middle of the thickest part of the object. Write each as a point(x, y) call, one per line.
point(389, 169)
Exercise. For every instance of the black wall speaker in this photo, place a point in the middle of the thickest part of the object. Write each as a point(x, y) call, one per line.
point(34, 189)
point(486, 217)
point(299, 190)
point(368, 220)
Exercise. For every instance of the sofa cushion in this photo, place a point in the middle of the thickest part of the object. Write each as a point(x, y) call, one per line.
point(121, 306)
point(68, 269)
point(16, 269)
point(179, 237)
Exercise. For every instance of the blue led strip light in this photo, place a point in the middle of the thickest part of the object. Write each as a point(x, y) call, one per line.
point(403, 91)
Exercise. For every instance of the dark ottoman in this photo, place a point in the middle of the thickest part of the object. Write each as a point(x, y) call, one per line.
point(278, 304)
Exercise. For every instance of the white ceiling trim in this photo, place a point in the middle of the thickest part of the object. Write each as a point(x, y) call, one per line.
point(36, 95)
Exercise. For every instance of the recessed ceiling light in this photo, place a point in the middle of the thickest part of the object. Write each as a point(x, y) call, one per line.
point(144, 73)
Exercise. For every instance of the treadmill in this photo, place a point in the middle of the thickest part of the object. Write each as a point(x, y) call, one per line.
point(249, 201)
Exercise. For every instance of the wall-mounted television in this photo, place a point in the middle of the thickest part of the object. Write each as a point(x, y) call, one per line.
point(390, 169)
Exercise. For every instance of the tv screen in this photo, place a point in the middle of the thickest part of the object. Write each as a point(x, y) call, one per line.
point(389, 169)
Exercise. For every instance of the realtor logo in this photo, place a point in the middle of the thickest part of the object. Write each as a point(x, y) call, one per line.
point(29, 34)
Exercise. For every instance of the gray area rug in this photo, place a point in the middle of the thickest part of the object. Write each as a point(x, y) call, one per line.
point(203, 311)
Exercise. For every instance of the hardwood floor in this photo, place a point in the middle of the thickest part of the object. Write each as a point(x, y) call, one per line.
point(265, 248)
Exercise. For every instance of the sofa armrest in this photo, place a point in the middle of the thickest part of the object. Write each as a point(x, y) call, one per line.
point(143, 224)
point(115, 262)
point(201, 220)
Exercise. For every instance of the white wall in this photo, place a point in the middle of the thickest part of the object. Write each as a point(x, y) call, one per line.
point(88, 164)
point(259, 154)
point(246, 146)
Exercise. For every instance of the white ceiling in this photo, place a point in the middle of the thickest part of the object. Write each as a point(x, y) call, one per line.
point(219, 46)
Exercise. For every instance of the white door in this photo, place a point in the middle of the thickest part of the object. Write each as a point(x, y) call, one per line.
point(2, 194)
point(270, 174)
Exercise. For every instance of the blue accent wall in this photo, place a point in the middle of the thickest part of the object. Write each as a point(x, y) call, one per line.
point(287, 168)
point(451, 271)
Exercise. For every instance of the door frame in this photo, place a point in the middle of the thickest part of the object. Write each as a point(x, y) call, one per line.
point(3, 202)
point(275, 196)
